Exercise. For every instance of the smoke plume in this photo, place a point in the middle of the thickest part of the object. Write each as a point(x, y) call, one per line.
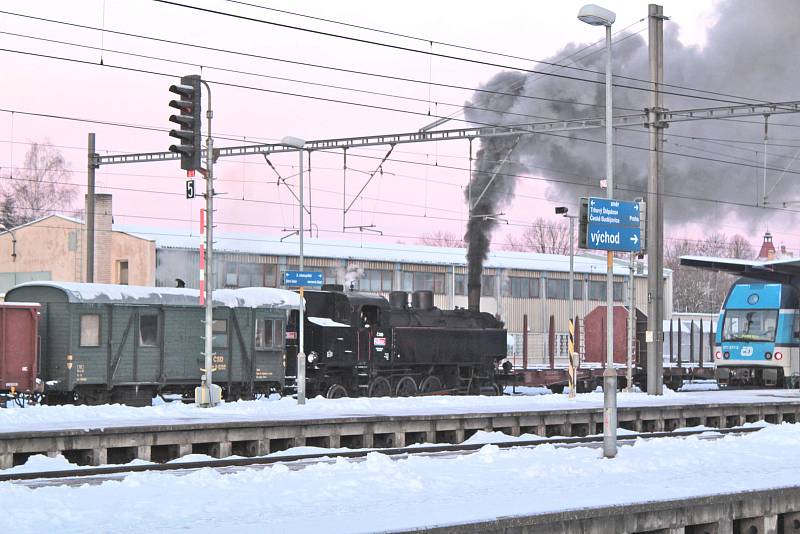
point(749, 56)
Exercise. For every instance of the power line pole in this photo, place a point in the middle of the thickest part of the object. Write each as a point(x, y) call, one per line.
point(92, 165)
point(655, 206)
point(211, 393)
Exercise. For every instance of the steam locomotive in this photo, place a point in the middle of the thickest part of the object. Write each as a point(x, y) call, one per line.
point(359, 344)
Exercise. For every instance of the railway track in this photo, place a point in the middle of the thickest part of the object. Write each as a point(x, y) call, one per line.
point(98, 475)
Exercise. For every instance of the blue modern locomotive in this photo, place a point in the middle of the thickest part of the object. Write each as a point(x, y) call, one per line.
point(758, 334)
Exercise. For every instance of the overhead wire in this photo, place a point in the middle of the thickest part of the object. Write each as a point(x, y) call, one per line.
point(497, 65)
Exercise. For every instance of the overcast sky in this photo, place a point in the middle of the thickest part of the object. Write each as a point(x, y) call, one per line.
point(420, 188)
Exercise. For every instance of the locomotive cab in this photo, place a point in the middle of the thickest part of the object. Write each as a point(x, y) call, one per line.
point(758, 335)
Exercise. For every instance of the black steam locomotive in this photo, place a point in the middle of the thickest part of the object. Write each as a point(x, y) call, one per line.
point(358, 344)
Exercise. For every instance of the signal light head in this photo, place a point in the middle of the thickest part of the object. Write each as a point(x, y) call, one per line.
point(184, 91)
point(189, 120)
point(778, 356)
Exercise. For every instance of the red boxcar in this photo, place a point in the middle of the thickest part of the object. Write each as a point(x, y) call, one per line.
point(19, 347)
point(595, 332)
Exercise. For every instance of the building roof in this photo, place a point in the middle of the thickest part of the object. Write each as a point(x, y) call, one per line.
point(40, 219)
point(248, 297)
point(171, 238)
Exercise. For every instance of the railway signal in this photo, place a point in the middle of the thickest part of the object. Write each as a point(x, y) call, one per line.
point(189, 121)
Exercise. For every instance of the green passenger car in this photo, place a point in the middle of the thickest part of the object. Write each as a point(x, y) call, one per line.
point(113, 343)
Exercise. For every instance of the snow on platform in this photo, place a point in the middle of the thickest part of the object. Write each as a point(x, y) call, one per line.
point(380, 494)
point(39, 418)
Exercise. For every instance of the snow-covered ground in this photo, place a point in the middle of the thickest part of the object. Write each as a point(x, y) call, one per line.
point(80, 417)
point(381, 494)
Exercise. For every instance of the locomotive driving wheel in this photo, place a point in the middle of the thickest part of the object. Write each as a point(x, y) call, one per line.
point(336, 391)
point(406, 387)
point(431, 384)
point(380, 387)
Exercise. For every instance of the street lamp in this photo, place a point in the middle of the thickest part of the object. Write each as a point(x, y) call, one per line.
point(595, 15)
point(563, 211)
point(298, 143)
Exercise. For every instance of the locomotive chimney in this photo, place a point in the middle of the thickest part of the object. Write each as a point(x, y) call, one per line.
point(474, 293)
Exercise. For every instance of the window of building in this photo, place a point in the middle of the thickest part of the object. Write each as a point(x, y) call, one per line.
point(122, 272)
point(330, 275)
point(556, 288)
point(522, 287)
point(90, 330)
point(460, 284)
point(577, 289)
point(597, 290)
point(148, 330)
point(619, 291)
point(423, 282)
point(250, 275)
point(265, 335)
point(487, 285)
point(376, 280)
point(219, 332)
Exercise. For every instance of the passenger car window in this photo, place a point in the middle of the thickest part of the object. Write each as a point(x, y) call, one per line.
point(90, 330)
point(264, 334)
point(219, 331)
point(148, 330)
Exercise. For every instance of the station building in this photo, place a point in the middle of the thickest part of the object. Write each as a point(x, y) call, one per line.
point(524, 289)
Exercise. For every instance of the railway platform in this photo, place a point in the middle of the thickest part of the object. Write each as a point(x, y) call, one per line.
point(117, 434)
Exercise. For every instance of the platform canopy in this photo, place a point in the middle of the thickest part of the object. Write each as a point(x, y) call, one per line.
point(773, 270)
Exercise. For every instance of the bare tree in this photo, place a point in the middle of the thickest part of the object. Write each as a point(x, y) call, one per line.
point(440, 238)
point(41, 186)
point(543, 236)
point(701, 290)
point(741, 248)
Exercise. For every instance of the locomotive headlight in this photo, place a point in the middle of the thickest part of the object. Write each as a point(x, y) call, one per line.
point(768, 355)
point(718, 355)
point(312, 357)
point(778, 356)
point(727, 355)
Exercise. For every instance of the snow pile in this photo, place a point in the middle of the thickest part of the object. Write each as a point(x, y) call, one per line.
point(381, 494)
point(699, 385)
point(90, 417)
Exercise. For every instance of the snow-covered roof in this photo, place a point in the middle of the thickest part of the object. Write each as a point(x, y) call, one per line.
point(40, 219)
point(247, 297)
point(391, 252)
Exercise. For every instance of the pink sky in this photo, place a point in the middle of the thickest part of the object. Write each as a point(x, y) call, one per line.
point(406, 201)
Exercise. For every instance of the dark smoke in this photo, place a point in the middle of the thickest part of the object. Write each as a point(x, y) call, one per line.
point(750, 52)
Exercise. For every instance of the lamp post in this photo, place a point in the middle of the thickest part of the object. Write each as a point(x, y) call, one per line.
point(563, 211)
point(595, 15)
point(298, 143)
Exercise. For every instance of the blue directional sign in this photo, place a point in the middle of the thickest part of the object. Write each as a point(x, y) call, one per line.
point(616, 238)
point(608, 224)
point(302, 279)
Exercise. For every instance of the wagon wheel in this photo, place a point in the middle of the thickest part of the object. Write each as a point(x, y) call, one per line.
point(336, 391)
point(406, 387)
point(380, 387)
point(430, 384)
